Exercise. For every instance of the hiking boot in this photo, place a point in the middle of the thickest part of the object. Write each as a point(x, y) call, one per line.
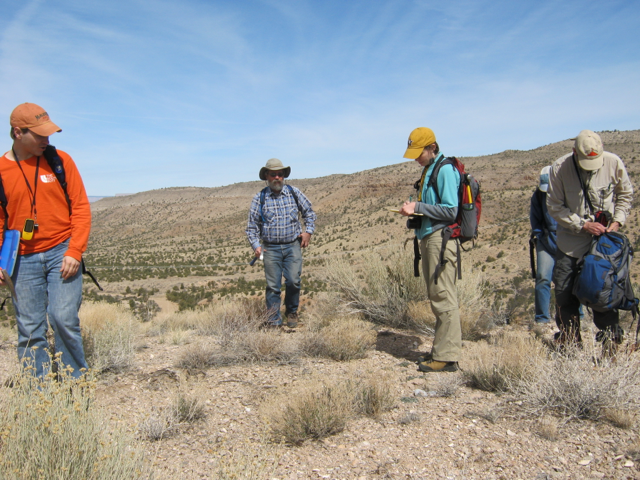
point(610, 338)
point(567, 339)
point(272, 325)
point(427, 357)
point(292, 320)
point(436, 366)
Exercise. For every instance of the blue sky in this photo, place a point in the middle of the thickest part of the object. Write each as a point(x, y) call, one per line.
point(154, 94)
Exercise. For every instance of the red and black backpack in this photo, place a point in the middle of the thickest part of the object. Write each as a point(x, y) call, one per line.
point(465, 226)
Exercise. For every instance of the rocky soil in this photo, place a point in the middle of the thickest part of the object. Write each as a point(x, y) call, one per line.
point(472, 434)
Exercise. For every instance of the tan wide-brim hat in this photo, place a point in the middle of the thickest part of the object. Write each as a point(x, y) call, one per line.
point(274, 164)
point(33, 117)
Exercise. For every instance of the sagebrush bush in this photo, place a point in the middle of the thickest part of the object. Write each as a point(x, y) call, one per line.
point(52, 429)
point(313, 412)
point(571, 385)
point(108, 334)
point(385, 293)
point(499, 367)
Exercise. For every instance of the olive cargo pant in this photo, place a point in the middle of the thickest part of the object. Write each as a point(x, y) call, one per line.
point(447, 344)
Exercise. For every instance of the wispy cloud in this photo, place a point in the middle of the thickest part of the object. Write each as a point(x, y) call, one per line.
point(203, 92)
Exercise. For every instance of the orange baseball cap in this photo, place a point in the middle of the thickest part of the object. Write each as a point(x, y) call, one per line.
point(33, 117)
point(419, 138)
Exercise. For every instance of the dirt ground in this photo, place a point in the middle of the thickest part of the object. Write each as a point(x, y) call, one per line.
point(471, 435)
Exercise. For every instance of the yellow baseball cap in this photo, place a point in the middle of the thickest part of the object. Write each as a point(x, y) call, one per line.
point(419, 138)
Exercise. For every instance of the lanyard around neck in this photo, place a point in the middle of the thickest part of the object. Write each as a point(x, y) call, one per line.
point(33, 191)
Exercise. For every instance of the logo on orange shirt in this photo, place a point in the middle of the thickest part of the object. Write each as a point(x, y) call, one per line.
point(48, 178)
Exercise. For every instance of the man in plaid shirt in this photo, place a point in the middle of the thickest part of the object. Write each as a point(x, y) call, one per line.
point(274, 231)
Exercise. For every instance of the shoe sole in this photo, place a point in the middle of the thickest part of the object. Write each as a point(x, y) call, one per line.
point(453, 368)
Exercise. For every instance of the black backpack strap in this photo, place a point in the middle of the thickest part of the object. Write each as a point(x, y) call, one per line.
point(585, 193)
point(433, 179)
point(263, 192)
point(87, 272)
point(416, 257)
point(55, 162)
point(446, 236)
point(635, 311)
point(3, 204)
point(293, 194)
point(532, 257)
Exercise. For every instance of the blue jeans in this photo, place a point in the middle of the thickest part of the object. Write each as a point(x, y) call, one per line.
point(43, 293)
point(282, 260)
point(544, 274)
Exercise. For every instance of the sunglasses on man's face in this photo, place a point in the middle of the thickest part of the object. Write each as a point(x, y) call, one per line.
point(276, 174)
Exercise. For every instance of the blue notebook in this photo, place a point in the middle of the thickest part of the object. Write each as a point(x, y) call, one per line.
point(9, 251)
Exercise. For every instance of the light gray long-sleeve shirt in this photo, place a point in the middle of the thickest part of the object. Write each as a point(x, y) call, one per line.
point(608, 188)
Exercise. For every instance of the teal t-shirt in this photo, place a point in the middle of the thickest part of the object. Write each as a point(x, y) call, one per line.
point(448, 184)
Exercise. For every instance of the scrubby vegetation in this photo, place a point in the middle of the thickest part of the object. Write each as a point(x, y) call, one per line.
point(320, 409)
point(53, 429)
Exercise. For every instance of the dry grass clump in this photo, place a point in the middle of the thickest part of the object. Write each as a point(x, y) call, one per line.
point(313, 412)
point(256, 347)
point(236, 336)
point(316, 411)
point(245, 462)
point(52, 429)
point(373, 394)
point(341, 338)
point(572, 385)
point(163, 423)
point(620, 418)
point(108, 333)
point(448, 385)
point(499, 367)
point(197, 356)
point(547, 428)
point(410, 417)
point(187, 408)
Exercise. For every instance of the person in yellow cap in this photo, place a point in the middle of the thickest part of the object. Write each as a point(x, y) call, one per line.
point(603, 177)
point(435, 211)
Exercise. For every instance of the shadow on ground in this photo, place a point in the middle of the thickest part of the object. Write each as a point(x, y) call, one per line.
point(399, 345)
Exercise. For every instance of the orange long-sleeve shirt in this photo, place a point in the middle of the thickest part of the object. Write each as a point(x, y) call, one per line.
point(51, 210)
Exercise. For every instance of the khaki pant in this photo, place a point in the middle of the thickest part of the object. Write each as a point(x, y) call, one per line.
point(447, 344)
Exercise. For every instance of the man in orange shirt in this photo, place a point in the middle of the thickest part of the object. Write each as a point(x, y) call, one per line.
point(47, 274)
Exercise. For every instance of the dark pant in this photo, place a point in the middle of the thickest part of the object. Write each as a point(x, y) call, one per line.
point(567, 304)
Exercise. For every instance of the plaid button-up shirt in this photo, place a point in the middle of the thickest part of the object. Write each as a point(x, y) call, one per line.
point(279, 222)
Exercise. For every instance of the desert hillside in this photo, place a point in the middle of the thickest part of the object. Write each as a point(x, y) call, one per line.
point(194, 237)
point(187, 383)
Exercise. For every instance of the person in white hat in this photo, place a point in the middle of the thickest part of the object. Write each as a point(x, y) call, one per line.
point(543, 233)
point(603, 177)
point(275, 232)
